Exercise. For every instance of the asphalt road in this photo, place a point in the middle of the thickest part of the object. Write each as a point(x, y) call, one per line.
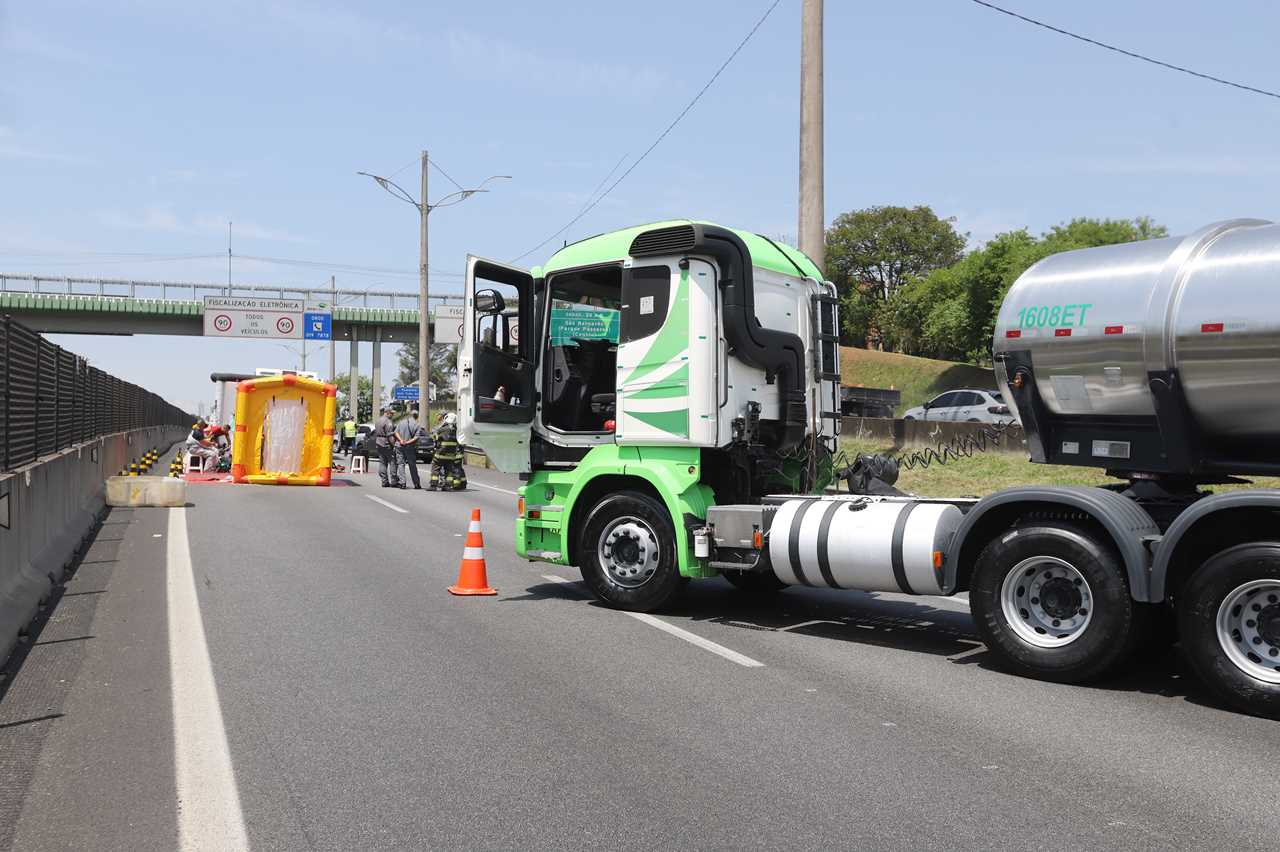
point(365, 708)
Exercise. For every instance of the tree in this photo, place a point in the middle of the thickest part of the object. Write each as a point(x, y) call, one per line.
point(871, 253)
point(951, 313)
point(443, 365)
point(364, 389)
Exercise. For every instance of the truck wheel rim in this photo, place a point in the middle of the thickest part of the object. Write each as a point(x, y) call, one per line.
point(1249, 629)
point(628, 552)
point(1046, 601)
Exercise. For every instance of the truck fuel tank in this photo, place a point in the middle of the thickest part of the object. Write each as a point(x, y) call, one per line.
point(875, 544)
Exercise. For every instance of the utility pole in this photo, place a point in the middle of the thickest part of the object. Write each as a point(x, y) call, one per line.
point(228, 258)
point(424, 309)
point(333, 346)
point(812, 208)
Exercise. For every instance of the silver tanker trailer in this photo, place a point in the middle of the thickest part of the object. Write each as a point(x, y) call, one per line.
point(1158, 361)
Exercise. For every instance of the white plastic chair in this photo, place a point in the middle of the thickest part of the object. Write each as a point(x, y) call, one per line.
point(358, 464)
point(192, 463)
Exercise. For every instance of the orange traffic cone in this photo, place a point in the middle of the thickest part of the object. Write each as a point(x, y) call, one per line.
point(471, 576)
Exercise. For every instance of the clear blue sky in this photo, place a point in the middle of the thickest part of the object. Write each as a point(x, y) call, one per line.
point(145, 126)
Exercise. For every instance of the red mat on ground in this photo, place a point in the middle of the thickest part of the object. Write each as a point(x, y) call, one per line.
point(220, 478)
point(208, 477)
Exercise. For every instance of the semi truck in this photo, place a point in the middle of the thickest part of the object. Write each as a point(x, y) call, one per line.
point(669, 396)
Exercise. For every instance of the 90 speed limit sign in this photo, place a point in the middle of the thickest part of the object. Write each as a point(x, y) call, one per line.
point(270, 319)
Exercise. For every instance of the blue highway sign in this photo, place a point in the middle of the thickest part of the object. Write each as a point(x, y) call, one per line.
point(317, 326)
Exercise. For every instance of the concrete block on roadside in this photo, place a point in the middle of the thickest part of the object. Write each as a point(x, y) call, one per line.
point(135, 491)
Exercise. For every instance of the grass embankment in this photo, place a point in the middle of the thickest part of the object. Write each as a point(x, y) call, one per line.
point(984, 473)
point(919, 379)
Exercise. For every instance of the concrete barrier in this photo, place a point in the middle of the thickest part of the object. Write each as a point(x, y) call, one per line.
point(914, 434)
point(47, 508)
point(472, 457)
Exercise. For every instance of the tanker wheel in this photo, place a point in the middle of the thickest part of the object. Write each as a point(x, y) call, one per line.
point(1052, 602)
point(755, 583)
point(627, 552)
point(1229, 622)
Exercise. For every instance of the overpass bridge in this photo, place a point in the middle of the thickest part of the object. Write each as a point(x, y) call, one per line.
point(126, 306)
point(119, 306)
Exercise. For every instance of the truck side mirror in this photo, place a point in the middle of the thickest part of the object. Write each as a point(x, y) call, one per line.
point(489, 302)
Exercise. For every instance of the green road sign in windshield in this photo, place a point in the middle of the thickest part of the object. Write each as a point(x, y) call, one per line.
point(571, 321)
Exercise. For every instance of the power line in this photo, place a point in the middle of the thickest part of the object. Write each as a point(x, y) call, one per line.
point(343, 267)
point(661, 136)
point(107, 258)
point(402, 168)
point(85, 254)
point(616, 166)
point(1128, 53)
point(436, 166)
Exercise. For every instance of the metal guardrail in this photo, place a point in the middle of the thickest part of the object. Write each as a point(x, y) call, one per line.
point(51, 399)
point(126, 288)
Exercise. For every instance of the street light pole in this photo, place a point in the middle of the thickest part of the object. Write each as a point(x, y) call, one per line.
point(292, 351)
point(424, 310)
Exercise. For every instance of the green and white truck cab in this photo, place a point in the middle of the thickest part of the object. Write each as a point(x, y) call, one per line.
point(641, 377)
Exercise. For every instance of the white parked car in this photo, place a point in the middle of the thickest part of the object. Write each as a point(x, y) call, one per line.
point(965, 406)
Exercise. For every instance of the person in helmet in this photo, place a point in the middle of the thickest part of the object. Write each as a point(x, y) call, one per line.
point(447, 472)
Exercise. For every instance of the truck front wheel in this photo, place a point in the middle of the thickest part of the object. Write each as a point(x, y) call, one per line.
point(1229, 622)
point(627, 552)
point(1052, 602)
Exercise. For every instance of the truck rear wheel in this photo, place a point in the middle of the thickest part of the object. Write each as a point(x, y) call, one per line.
point(1229, 621)
point(627, 552)
point(1051, 600)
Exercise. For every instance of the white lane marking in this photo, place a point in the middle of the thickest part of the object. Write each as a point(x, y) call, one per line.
point(209, 815)
point(495, 488)
point(809, 624)
point(695, 639)
point(392, 506)
point(692, 638)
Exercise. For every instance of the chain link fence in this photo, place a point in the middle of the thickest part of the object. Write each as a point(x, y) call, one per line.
point(51, 399)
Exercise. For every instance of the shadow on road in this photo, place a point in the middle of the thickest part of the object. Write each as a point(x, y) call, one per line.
point(863, 618)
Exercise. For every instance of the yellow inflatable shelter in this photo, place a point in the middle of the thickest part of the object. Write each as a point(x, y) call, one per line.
point(284, 431)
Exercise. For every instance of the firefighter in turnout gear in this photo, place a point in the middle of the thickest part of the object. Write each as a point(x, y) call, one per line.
point(447, 472)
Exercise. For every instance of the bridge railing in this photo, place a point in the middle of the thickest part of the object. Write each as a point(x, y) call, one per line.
point(51, 399)
point(125, 288)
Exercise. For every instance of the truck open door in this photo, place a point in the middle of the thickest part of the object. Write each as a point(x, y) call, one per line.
point(496, 360)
